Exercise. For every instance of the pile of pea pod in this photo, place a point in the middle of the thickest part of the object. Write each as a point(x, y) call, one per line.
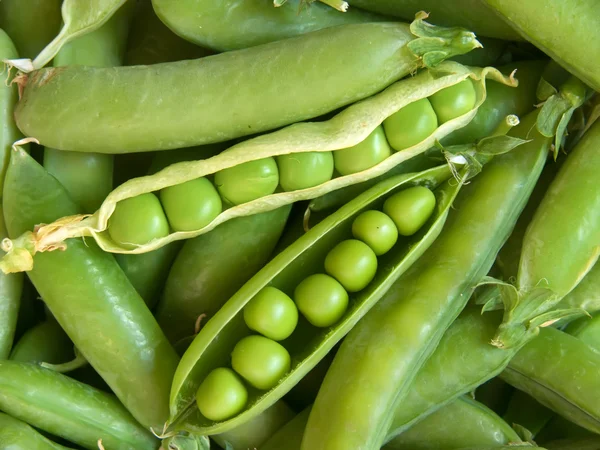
point(299, 224)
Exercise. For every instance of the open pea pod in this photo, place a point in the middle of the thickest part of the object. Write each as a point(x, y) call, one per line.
point(348, 128)
point(307, 345)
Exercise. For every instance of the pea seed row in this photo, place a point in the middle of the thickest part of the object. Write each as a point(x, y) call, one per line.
point(192, 205)
point(322, 298)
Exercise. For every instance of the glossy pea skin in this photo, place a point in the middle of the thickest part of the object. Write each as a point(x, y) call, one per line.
point(138, 220)
point(261, 361)
point(271, 313)
point(192, 205)
point(304, 170)
point(410, 125)
point(454, 101)
point(321, 299)
point(352, 263)
point(249, 181)
point(410, 209)
point(18, 435)
point(364, 155)
point(221, 395)
point(377, 230)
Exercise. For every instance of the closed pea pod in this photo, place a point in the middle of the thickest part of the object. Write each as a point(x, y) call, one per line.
point(246, 23)
point(46, 342)
point(18, 435)
point(341, 132)
point(367, 381)
point(219, 335)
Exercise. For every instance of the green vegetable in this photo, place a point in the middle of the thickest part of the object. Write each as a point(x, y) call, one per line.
point(271, 313)
point(454, 101)
point(248, 181)
point(364, 155)
point(44, 343)
point(321, 299)
point(260, 361)
point(352, 263)
point(410, 209)
point(221, 394)
point(377, 230)
point(304, 170)
point(16, 434)
point(411, 124)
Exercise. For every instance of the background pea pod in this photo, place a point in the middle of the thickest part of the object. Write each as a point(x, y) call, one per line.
point(210, 268)
point(10, 285)
point(16, 434)
point(367, 380)
point(558, 28)
point(246, 23)
point(64, 407)
point(112, 314)
point(46, 342)
point(307, 344)
point(468, 13)
point(198, 99)
point(349, 127)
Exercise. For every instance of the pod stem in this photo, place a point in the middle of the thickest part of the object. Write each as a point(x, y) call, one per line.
point(435, 44)
point(77, 363)
point(336, 4)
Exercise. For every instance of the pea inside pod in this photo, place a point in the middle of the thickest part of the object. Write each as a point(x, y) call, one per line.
point(308, 344)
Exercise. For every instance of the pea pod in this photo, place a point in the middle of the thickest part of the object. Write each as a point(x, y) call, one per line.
point(246, 23)
point(151, 42)
point(46, 342)
point(211, 347)
point(351, 126)
point(591, 443)
point(468, 13)
point(31, 28)
point(17, 435)
point(573, 199)
point(113, 313)
point(543, 367)
point(201, 104)
point(211, 268)
point(367, 381)
point(526, 412)
point(10, 285)
point(558, 28)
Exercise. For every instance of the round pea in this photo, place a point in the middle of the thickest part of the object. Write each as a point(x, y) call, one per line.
point(192, 205)
point(454, 101)
point(304, 170)
point(321, 299)
point(363, 155)
point(221, 395)
point(271, 313)
point(137, 221)
point(249, 181)
point(260, 360)
point(410, 125)
point(410, 209)
point(375, 229)
point(352, 263)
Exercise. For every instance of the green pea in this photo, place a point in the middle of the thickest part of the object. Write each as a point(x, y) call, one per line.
point(454, 101)
point(249, 181)
point(375, 229)
point(304, 170)
point(192, 205)
point(321, 299)
point(221, 395)
point(271, 313)
point(352, 263)
point(363, 155)
point(410, 209)
point(410, 125)
point(137, 221)
point(260, 360)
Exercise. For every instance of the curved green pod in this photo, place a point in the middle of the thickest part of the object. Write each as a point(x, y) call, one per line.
point(17, 435)
point(367, 381)
point(307, 344)
point(10, 285)
point(64, 407)
point(472, 14)
point(561, 372)
point(225, 26)
point(559, 29)
point(112, 314)
point(203, 92)
point(210, 268)
point(349, 127)
point(151, 42)
point(44, 343)
point(31, 28)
